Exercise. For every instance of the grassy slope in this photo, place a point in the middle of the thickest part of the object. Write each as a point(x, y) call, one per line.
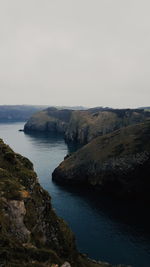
point(84, 125)
point(118, 155)
point(30, 232)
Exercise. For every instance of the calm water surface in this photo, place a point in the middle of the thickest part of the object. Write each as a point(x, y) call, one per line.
point(105, 229)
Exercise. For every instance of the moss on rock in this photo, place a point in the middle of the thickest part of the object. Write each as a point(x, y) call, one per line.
point(116, 163)
point(31, 234)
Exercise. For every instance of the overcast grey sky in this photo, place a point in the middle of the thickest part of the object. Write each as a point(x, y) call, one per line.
point(75, 52)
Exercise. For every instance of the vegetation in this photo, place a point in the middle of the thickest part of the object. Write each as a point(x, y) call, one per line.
point(84, 125)
point(117, 163)
point(31, 234)
point(13, 113)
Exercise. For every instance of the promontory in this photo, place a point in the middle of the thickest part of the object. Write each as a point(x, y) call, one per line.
point(82, 126)
point(31, 234)
point(117, 163)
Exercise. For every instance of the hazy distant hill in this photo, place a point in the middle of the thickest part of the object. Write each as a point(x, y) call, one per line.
point(10, 113)
point(145, 108)
point(71, 107)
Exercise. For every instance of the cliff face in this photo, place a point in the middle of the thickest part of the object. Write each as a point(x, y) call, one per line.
point(30, 232)
point(51, 120)
point(29, 228)
point(83, 126)
point(117, 163)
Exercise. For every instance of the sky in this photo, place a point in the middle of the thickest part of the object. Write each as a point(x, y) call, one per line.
point(75, 52)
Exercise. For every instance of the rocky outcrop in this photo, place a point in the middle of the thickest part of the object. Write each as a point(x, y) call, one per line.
point(29, 227)
point(31, 234)
point(116, 163)
point(84, 125)
point(15, 213)
point(50, 120)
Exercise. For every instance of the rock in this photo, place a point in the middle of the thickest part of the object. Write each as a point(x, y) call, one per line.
point(117, 163)
point(15, 212)
point(31, 234)
point(82, 126)
point(66, 264)
point(28, 223)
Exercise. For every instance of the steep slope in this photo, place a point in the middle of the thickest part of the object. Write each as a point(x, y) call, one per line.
point(12, 113)
point(51, 120)
point(118, 163)
point(31, 234)
point(84, 125)
point(30, 229)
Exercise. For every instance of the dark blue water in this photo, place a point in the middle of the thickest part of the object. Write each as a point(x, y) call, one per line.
point(105, 229)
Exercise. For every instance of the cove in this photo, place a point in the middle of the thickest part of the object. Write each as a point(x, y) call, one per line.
point(105, 229)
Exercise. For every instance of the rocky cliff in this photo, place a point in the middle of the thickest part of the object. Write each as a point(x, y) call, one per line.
point(31, 234)
point(117, 163)
point(84, 125)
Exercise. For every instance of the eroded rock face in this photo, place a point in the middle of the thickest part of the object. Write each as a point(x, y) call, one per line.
point(85, 125)
point(49, 120)
point(29, 228)
point(31, 234)
point(15, 212)
point(66, 264)
point(116, 163)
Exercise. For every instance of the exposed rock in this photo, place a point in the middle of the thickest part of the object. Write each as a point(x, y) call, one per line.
point(15, 212)
point(84, 125)
point(27, 220)
point(66, 264)
point(51, 120)
point(117, 163)
point(31, 234)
